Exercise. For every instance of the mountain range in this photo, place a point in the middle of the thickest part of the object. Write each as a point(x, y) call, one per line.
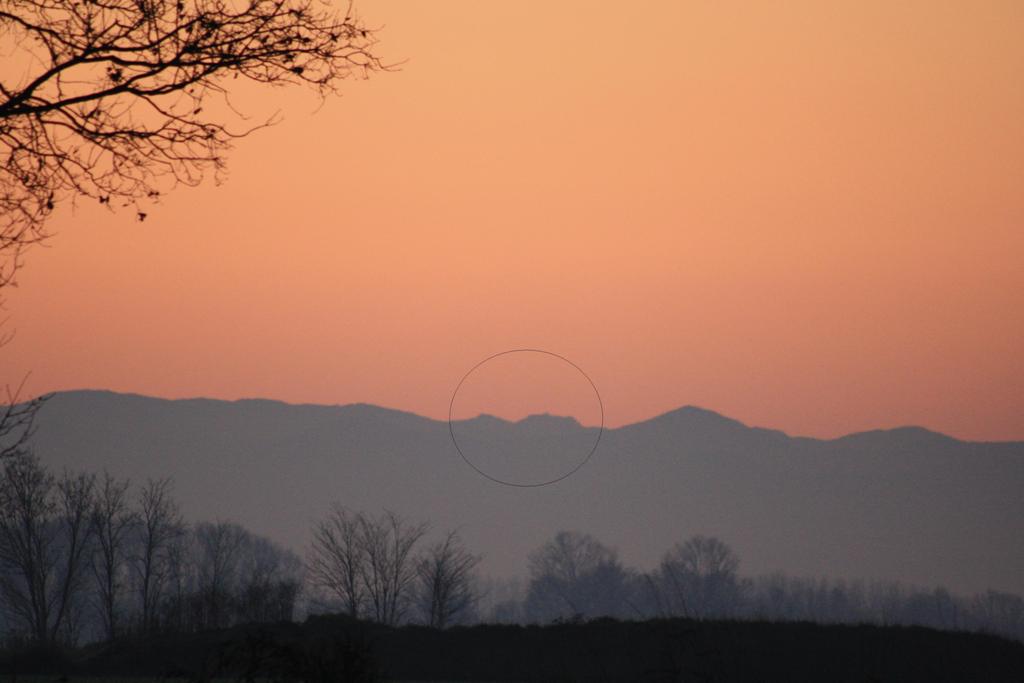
point(904, 504)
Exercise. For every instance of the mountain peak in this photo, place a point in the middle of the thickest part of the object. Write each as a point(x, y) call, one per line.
point(543, 421)
point(902, 435)
point(697, 414)
point(547, 419)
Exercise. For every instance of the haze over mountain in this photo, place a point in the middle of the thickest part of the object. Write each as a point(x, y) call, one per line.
point(905, 504)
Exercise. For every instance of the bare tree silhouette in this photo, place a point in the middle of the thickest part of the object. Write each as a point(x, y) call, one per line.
point(45, 535)
point(446, 583)
point(698, 578)
point(389, 567)
point(366, 563)
point(219, 547)
point(336, 558)
point(160, 528)
point(113, 522)
point(575, 575)
point(112, 104)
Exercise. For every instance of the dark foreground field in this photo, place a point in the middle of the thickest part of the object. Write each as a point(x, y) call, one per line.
point(338, 649)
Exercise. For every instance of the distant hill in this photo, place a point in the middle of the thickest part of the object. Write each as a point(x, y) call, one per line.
point(904, 504)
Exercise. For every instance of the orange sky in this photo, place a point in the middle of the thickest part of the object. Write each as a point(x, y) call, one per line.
point(804, 215)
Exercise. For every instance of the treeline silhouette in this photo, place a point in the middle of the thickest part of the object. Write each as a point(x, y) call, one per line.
point(574, 576)
point(92, 558)
point(86, 558)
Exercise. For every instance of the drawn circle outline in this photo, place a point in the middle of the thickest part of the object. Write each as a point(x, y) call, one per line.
point(584, 461)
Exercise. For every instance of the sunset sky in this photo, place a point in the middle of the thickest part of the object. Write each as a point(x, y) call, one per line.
point(806, 215)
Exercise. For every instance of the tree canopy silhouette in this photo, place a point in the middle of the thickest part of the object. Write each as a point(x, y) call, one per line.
point(108, 99)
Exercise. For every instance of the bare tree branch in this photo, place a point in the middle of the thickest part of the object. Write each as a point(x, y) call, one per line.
point(113, 107)
point(17, 420)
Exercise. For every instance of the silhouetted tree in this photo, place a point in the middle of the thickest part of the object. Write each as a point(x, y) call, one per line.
point(270, 579)
point(219, 574)
point(781, 597)
point(365, 562)
point(698, 579)
point(27, 542)
point(111, 100)
point(45, 533)
point(999, 612)
point(336, 557)
point(446, 588)
point(885, 601)
point(218, 553)
point(947, 611)
point(389, 567)
point(500, 600)
point(576, 575)
point(176, 608)
point(160, 527)
point(113, 522)
point(75, 504)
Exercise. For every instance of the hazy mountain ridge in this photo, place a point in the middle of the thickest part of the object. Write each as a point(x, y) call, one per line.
point(906, 504)
point(685, 411)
